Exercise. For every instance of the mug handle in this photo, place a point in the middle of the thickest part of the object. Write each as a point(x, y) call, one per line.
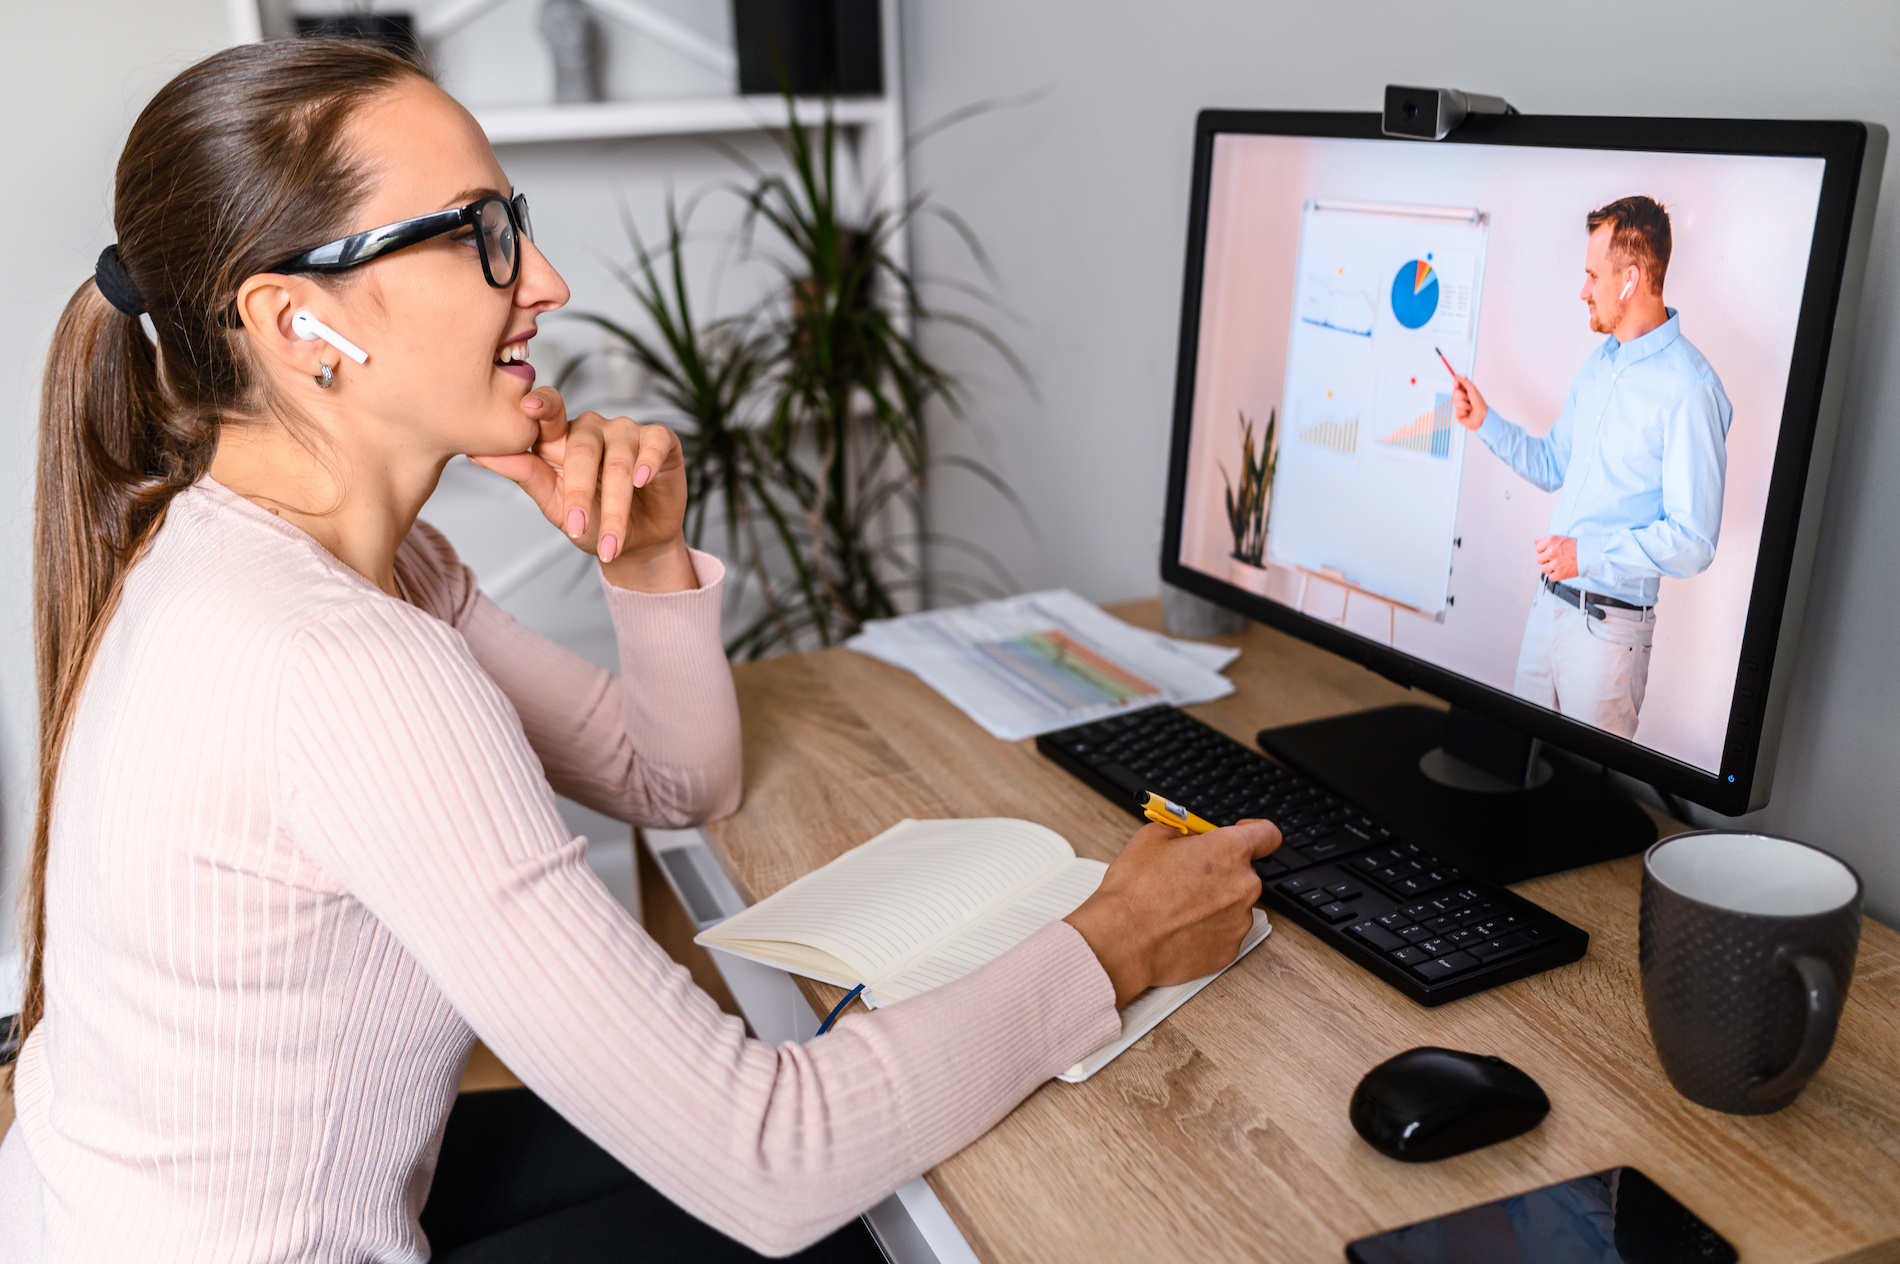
point(1824, 1016)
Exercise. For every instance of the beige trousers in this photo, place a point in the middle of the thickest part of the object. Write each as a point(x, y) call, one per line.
point(1589, 669)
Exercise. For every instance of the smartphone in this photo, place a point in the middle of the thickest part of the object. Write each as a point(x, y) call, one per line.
point(1614, 1217)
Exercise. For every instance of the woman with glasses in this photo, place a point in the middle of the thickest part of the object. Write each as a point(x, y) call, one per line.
point(296, 845)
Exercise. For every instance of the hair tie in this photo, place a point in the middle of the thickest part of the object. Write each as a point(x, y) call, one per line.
point(109, 275)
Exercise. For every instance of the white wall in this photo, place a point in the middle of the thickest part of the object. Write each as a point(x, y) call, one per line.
point(1081, 198)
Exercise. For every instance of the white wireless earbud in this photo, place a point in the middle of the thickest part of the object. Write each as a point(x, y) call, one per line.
point(1629, 288)
point(309, 328)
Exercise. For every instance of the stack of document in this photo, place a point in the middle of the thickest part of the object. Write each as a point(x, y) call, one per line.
point(1041, 662)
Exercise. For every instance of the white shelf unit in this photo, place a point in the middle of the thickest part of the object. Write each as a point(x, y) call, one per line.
point(872, 127)
point(603, 120)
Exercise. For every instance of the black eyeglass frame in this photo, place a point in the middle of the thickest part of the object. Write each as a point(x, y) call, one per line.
point(360, 248)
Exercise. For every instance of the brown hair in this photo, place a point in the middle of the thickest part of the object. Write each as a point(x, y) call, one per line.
point(1639, 234)
point(237, 164)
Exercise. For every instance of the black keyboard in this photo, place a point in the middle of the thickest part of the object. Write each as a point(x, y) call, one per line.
point(1415, 919)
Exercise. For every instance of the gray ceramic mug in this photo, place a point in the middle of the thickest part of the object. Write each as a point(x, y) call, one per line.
point(1747, 946)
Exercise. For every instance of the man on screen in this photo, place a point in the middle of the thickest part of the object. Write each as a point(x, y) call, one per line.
point(1638, 453)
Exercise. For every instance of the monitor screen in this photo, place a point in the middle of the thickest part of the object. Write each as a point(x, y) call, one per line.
point(1579, 527)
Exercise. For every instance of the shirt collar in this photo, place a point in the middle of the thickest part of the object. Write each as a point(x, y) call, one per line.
point(1649, 344)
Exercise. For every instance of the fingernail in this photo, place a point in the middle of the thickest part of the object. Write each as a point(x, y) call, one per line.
point(576, 523)
point(641, 475)
point(609, 548)
point(532, 402)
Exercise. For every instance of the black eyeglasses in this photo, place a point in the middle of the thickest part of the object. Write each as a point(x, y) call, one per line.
point(498, 222)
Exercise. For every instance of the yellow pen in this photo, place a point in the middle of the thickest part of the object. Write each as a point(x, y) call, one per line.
point(1156, 808)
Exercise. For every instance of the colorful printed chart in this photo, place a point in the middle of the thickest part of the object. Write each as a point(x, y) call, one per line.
point(1415, 293)
point(1428, 433)
point(1069, 672)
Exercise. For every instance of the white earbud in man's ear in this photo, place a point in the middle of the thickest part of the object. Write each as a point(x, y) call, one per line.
point(309, 328)
point(1629, 288)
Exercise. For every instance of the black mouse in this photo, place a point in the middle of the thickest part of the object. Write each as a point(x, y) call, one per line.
point(1430, 1103)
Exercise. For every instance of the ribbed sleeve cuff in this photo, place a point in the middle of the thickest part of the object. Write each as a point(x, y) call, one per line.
point(667, 626)
point(1033, 1012)
point(629, 608)
point(681, 715)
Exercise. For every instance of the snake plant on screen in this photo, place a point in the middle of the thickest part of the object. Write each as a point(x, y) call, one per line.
point(1247, 504)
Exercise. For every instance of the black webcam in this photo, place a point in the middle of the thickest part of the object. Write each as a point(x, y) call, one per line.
point(1434, 113)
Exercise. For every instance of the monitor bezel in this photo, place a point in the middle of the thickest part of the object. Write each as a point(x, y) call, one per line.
point(1842, 145)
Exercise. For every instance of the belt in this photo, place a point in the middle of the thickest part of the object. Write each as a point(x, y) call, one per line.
point(1590, 603)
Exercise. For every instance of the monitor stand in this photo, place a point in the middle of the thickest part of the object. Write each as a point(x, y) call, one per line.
point(1469, 788)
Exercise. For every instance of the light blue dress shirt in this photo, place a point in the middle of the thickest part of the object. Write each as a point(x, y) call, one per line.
point(1639, 456)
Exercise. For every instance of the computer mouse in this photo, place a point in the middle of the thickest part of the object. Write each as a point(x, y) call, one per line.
point(1431, 1103)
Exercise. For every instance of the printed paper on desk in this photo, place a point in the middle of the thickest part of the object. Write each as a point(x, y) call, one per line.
point(1033, 664)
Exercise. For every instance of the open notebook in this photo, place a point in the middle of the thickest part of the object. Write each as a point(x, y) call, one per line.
point(927, 902)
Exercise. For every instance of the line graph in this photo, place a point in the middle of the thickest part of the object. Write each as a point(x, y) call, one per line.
point(1332, 300)
point(1429, 433)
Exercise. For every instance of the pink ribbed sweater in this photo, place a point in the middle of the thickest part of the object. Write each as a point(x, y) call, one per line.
point(305, 851)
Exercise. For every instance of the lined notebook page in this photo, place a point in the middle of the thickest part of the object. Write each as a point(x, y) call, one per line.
point(894, 897)
point(1053, 896)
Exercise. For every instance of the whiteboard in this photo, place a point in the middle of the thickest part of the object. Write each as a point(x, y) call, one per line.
point(1366, 487)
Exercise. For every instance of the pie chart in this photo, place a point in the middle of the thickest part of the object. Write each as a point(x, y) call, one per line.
point(1415, 293)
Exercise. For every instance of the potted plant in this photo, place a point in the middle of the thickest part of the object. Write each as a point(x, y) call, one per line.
point(1247, 505)
point(805, 417)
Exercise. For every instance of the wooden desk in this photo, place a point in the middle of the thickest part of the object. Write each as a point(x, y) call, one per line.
point(1223, 1134)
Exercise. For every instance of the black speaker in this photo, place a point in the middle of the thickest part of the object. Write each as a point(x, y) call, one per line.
point(394, 31)
point(811, 46)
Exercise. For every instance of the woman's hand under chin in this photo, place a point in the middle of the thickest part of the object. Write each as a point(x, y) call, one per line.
point(615, 487)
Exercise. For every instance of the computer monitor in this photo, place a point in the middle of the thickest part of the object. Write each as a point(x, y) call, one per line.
point(1323, 478)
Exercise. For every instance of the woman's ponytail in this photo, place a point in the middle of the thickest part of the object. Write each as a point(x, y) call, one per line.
point(101, 489)
point(236, 165)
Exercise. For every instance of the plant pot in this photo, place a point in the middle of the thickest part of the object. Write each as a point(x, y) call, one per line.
point(1247, 576)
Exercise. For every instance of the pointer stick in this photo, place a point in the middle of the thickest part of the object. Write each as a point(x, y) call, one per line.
point(1447, 364)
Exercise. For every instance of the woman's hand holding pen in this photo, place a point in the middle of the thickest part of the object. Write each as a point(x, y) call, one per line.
point(1173, 907)
point(617, 488)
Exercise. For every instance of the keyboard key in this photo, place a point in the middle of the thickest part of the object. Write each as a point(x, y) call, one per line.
point(1444, 967)
point(1418, 912)
point(1383, 940)
point(1315, 898)
point(1325, 849)
point(1443, 923)
point(1345, 891)
point(1353, 828)
point(1466, 896)
point(1413, 934)
point(1498, 947)
point(1393, 921)
point(1335, 912)
point(1297, 886)
point(1436, 947)
point(1368, 864)
point(1411, 956)
point(1269, 869)
point(1464, 938)
point(1291, 859)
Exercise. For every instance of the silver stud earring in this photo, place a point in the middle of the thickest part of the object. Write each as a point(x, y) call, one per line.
point(327, 378)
